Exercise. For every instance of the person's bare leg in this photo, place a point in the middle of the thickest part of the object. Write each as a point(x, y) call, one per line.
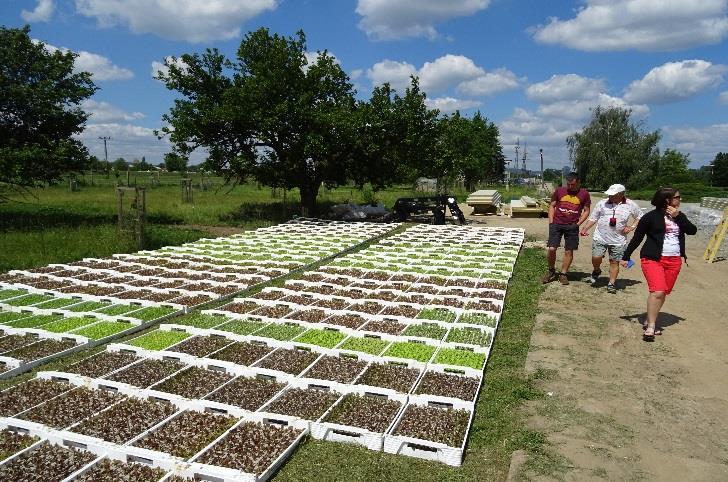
point(566, 262)
point(654, 305)
point(597, 262)
point(551, 257)
point(613, 271)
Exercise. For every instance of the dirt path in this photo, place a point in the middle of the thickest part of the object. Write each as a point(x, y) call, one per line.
point(619, 408)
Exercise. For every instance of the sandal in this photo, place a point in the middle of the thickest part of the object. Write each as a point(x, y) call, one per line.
point(658, 331)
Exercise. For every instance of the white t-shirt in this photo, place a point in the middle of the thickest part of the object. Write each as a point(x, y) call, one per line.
point(671, 245)
point(604, 210)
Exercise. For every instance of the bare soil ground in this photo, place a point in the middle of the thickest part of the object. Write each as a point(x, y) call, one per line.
point(619, 408)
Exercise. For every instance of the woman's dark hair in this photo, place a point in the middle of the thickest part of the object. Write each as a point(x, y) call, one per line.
point(663, 196)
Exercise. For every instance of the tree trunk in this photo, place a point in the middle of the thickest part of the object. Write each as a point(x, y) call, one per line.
point(309, 193)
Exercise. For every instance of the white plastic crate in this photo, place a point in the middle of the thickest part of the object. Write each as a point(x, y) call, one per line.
point(427, 449)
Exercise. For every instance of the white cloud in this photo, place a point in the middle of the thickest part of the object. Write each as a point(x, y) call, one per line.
point(448, 105)
point(42, 13)
point(396, 73)
point(446, 71)
point(100, 67)
point(104, 112)
point(723, 97)
point(702, 143)
point(675, 81)
point(189, 20)
point(394, 19)
point(490, 83)
point(647, 25)
point(565, 87)
point(162, 67)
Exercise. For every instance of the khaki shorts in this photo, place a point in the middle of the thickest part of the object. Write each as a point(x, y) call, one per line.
point(615, 250)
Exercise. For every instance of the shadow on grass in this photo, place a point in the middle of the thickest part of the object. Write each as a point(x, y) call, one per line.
point(273, 212)
point(31, 217)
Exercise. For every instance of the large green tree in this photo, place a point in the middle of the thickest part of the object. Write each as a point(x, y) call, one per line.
point(720, 169)
point(394, 137)
point(613, 149)
point(40, 112)
point(267, 114)
point(470, 149)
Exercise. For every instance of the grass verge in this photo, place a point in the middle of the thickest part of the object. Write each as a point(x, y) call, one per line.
point(30, 249)
point(499, 427)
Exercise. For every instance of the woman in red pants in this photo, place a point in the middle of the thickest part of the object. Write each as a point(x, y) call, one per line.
point(664, 229)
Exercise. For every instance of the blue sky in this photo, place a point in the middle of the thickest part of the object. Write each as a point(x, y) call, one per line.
point(533, 67)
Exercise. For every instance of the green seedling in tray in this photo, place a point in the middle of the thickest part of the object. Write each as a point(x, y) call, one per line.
point(324, 338)
point(88, 306)
point(426, 330)
point(458, 357)
point(8, 293)
point(152, 313)
point(68, 324)
point(471, 336)
point(8, 316)
point(242, 327)
point(117, 310)
point(57, 303)
point(438, 314)
point(199, 320)
point(474, 318)
point(103, 329)
point(34, 321)
point(28, 300)
point(159, 340)
point(373, 346)
point(411, 350)
point(281, 332)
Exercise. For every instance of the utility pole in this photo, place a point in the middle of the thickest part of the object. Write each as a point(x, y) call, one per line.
point(106, 153)
point(543, 184)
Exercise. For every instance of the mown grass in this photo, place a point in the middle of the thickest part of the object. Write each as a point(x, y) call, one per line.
point(498, 427)
point(30, 249)
point(246, 205)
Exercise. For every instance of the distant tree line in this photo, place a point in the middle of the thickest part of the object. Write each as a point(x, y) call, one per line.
point(612, 148)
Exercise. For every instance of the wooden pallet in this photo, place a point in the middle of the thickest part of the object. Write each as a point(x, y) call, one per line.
point(717, 239)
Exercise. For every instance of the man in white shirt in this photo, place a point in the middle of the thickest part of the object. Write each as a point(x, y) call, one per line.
point(611, 216)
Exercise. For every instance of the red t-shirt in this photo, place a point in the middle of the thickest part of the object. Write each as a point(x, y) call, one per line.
point(569, 205)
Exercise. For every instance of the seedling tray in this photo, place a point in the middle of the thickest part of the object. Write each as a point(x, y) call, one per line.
point(360, 418)
point(12, 442)
point(248, 393)
point(186, 434)
point(110, 470)
point(102, 363)
point(146, 372)
point(339, 369)
point(253, 448)
point(44, 462)
point(71, 407)
point(193, 382)
point(431, 433)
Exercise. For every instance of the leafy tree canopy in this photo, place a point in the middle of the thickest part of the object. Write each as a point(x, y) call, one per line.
point(40, 97)
point(174, 162)
point(613, 149)
point(272, 116)
point(720, 169)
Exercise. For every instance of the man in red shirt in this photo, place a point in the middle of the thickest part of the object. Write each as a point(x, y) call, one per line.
point(569, 208)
